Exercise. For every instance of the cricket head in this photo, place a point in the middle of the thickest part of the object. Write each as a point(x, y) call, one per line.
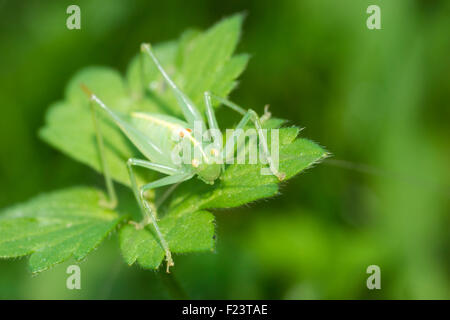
point(208, 172)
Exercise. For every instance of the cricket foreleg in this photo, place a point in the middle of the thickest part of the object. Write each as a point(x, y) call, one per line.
point(212, 123)
point(210, 114)
point(251, 115)
point(188, 108)
point(111, 203)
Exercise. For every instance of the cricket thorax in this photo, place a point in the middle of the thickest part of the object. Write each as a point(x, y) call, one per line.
point(208, 172)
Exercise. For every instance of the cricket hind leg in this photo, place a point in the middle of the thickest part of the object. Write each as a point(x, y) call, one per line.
point(149, 212)
point(212, 124)
point(188, 108)
point(111, 202)
point(251, 115)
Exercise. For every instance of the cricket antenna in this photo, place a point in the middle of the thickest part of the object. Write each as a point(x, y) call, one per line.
point(86, 90)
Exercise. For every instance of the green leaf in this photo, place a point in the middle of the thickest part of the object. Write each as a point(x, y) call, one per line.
point(55, 227)
point(207, 64)
point(70, 128)
point(158, 97)
point(198, 62)
point(191, 232)
point(225, 77)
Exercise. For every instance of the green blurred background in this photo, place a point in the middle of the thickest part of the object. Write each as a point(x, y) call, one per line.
point(377, 99)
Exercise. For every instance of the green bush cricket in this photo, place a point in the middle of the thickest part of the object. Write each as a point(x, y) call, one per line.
point(152, 134)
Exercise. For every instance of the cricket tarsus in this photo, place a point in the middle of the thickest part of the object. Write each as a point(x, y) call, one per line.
point(157, 160)
point(249, 115)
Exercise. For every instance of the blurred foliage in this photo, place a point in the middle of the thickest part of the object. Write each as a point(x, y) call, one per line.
point(378, 100)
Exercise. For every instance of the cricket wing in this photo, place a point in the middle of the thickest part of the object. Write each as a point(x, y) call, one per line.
point(145, 145)
point(162, 130)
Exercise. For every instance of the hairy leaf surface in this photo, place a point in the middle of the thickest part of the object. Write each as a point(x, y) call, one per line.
point(56, 226)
